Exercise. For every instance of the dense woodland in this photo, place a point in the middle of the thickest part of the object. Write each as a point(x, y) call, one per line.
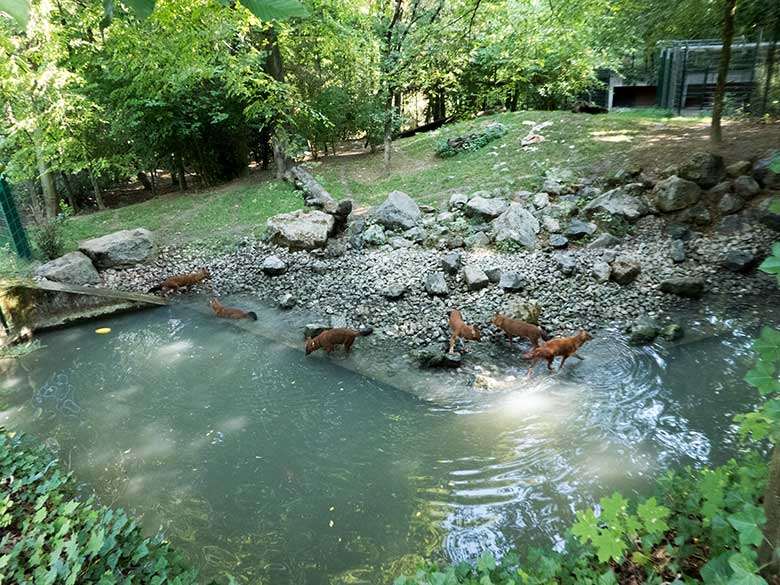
point(199, 91)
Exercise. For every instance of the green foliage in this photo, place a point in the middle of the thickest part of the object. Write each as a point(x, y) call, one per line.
point(48, 536)
point(470, 142)
point(49, 239)
point(699, 527)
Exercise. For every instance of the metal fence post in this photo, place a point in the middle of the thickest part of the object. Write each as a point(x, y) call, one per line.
point(9, 215)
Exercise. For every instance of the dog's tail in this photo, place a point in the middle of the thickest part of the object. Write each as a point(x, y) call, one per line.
point(155, 288)
point(252, 315)
point(544, 334)
point(367, 330)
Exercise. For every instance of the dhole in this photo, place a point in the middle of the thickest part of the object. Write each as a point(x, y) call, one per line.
point(174, 283)
point(565, 347)
point(330, 339)
point(221, 310)
point(458, 328)
point(514, 328)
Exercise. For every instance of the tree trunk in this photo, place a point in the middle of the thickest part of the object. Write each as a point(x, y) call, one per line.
point(730, 7)
point(69, 191)
point(153, 179)
point(96, 190)
point(180, 172)
point(767, 554)
point(770, 62)
point(144, 181)
point(275, 68)
point(50, 199)
point(388, 131)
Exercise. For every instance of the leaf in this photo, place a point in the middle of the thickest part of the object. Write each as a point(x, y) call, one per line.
point(19, 10)
point(486, 563)
point(653, 516)
point(774, 164)
point(768, 344)
point(586, 527)
point(716, 571)
point(141, 8)
point(770, 265)
point(95, 543)
point(748, 524)
point(763, 377)
point(268, 10)
point(609, 545)
point(744, 571)
point(613, 506)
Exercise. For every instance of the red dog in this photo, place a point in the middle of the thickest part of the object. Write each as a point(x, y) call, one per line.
point(565, 347)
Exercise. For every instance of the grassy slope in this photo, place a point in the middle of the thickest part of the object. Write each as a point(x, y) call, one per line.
point(586, 145)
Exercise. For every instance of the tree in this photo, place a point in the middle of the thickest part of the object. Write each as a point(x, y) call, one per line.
point(729, 8)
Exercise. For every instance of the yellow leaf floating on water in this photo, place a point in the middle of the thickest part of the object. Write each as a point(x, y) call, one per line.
point(103, 330)
point(330, 524)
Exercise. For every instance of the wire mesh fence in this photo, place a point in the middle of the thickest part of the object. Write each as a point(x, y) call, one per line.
point(12, 232)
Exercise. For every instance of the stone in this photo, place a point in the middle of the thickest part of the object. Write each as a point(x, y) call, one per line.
point(730, 204)
point(618, 203)
point(416, 235)
point(567, 264)
point(677, 251)
point(552, 187)
point(73, 268)
point(511, 281)
point(551, 224)
point(769, 213)
point(643, 331)
point(493, 274)
point(374, 235)
point(435, 285)
point(397, 212)
point(314, 329)
point(455, 242)
point(451, 262)
point(721, 189)
point(516, 225)
point(746, 187)
point(434, 357)
point(739, 168)
point(445, 217)
point(672, 332)
point(625, 270)
point(589, 192)
point(698, 215)
point(119, 249)
point(678, 231)
point(319, 267)
point(398, 242)
point(541, 200)
point(704, 168)
point(458, 201)
point(691, 287)
point(675, 193)
point(338, 321)
point(578, 229)
point(601, 271)
point(730, 225)
point(558, 241)
point(740, 261)
point(475, 278)
point(304, 230)
point(767, 170)
point(527, 311)
point(488, 208)
point(478, 240)
point(605, 240)
point(274, 266)
point(287, 301)
point(393, 292)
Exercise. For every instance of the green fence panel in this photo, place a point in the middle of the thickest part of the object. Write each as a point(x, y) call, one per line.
point(11, 228)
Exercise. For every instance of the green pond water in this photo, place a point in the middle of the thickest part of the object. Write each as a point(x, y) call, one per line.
point(282, 469)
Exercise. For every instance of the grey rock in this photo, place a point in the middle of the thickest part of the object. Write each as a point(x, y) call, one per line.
point(374, 235)
point(475, 278)
point(319, 267)
point(740, 261)
point(691, 287)
point(552, 187)
point(677, 251)
point(338, 321)
point(769, 213)
point(746, 187)
point(730, 204)
point(739, 168)
point(73, 268)
point(527, 311)
point(445, 217)
point(601, 271)
point(704, 168)
point(558, 241)
point(672, 332)
point(398, 242)
point(579, 229)
point(625, 270)
point(455, 242)
point(675, 193)
point(458, 200)
point(394, 292)
point(314, 329)
point(511, 281)
point(697, 215)
point(516, 225)
point(435, 285)
point(731, 224)
point(605, 240)
point(305, 230)
point(434, 357)
point(721, 189)
point(489, 208)
point(541, 200)
point(493, 274)
point(567, 264)
point(478, 240)
point(618, 203)
point(416, 234)
point(119, 249)
point(551, 224)
point(274, 266)
point(398, 212)
point(452, 262)
point(678, 231)
point(287, 301)
point(766, 170)
point(643, 331)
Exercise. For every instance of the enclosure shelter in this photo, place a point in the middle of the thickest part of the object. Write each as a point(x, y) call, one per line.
point(11, 229)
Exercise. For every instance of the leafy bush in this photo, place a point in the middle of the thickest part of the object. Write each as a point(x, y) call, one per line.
point(50, 537)
point(450, 147)
point(700, 527)
point(49, 239)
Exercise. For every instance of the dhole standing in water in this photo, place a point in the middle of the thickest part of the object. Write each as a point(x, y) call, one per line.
point(221, 310)
point(458, 328)
point(332, 338)
point(174, 283)
point(514, 328)
point(565, 348)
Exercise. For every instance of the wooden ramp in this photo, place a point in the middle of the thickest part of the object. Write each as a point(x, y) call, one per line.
point(27, 306)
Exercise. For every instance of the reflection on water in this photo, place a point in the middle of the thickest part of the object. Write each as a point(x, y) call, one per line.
point(282, 469)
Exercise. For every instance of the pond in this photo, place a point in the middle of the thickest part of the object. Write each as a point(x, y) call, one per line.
point(282, 469)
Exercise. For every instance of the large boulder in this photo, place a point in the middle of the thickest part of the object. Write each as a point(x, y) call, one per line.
point(643, 331)
point(704, 168)
point(625, 270)
point(304, 230)
point(578, 229)
point(746, 187)
point(767, 170)
point(511, 281)
point(120, 249)
point(769, 213)
point(399, 211)
point(618, 203)
point(691, 287)
point(475, 278)
point(434, 357)
point(73, 268)
point(452, 262)
point(676, 193)
point(486, 207)
point(274, 266)
point(516, 225)
point(601, 271)
point(739, 168)
point(567, 264)
point(730, 203)
point(741, 261)
point(374, 235)
point(435, 285)
point(605, 240)
point(458, 200)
